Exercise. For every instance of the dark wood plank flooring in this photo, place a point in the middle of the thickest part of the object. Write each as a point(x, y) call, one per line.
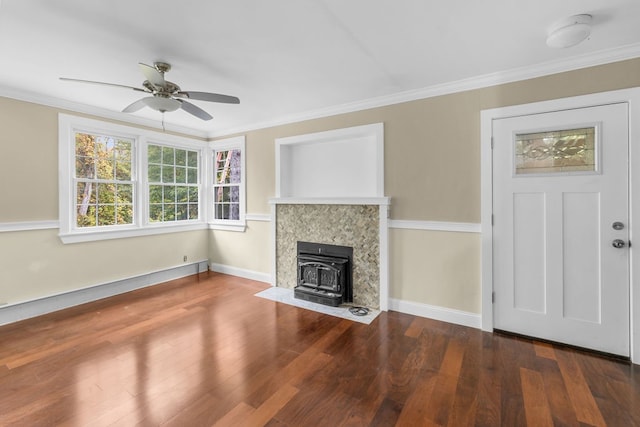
point(204, 351)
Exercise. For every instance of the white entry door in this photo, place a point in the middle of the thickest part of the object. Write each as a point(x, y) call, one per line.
point(561, 226)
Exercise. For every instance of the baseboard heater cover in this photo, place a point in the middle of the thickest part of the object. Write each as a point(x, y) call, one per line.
point(11, 313)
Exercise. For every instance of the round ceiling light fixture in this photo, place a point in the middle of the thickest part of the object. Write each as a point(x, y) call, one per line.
point(570, 31)
point(162, 103)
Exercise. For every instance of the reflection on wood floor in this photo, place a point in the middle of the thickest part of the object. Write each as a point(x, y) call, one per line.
point(204, 351)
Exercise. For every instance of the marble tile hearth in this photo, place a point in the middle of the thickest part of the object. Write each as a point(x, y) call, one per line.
point(285, 296)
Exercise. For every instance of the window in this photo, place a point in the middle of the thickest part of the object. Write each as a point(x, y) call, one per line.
point(103, 180)
point(228, 184)
point(119, 181)
point(173, 183)
point(571, 150)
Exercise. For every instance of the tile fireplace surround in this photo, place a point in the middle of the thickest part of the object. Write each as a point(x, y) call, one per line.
point(358, 224)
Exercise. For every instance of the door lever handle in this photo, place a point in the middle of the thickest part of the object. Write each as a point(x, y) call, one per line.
point(618, 243)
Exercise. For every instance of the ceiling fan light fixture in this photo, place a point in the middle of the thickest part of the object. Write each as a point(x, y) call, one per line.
point(164, 95)
point(570, 31)
point(162, 104)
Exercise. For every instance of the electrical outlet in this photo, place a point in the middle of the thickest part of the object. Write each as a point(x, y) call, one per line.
point(184, 258)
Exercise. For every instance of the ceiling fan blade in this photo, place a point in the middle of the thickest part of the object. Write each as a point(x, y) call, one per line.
point(195, 110)
point(211, 97)
point(67, 79)
point(138, 105)
point(154, 76)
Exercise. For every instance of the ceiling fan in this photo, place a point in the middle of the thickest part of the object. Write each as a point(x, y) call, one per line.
point(165, 95)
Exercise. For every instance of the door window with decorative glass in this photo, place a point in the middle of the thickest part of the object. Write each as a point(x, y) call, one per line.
point(103, 180)
point(172, 175)
point(557, 151)
point(227, 184)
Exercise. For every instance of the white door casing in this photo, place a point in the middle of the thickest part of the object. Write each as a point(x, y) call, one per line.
point(629, 96)
point(557, 275)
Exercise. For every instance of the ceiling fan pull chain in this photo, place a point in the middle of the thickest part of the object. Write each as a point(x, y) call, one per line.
point(163, 129)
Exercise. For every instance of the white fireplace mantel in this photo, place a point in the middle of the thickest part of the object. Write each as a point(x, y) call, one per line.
point(382, 201)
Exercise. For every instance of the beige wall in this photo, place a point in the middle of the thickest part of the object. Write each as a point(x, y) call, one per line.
point(28, 162)
point(261, 171)
point(436, 268)
point(247, 251)
point(432, 146)
point(432, 173)
point(35, 264)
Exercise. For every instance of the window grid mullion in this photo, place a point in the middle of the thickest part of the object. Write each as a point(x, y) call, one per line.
point(168, 157)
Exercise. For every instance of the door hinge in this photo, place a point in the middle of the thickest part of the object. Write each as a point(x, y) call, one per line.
point(493, 297)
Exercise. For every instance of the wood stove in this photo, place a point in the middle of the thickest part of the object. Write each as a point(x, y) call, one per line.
point(324, 273)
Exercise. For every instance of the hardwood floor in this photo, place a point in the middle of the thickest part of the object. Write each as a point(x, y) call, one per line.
point(204, 351)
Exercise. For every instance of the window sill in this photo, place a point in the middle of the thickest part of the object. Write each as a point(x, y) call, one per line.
point(95, 235)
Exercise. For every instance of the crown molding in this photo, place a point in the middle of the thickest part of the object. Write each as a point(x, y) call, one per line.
point(76, 107)
point(479, 82)
point(509, 76)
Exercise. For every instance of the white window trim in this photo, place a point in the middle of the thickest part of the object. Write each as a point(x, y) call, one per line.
point(69, 233)
point(183, 144)
point(237, 143)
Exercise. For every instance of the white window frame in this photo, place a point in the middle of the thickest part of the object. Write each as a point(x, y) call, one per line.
point(69, 233)
point(181, 144)
point(235, 143)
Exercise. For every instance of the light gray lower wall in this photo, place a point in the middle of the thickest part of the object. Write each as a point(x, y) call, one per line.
point(356, 226)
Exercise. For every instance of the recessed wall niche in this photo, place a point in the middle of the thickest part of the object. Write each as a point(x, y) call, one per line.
point(339, 163)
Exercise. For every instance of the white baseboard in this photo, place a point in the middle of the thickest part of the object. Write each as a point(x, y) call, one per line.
point(443, 314)
point(24, 310)
point(241, 272)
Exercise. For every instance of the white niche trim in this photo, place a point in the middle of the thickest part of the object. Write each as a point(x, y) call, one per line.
point(342, 163)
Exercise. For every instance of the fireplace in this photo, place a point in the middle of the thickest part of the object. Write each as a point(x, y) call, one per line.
point(324, 273)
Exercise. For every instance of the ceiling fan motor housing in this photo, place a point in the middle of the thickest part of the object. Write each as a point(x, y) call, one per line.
point(162, 67)
point(168, 88)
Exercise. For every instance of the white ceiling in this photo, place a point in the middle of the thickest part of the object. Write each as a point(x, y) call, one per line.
point(291, 59)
